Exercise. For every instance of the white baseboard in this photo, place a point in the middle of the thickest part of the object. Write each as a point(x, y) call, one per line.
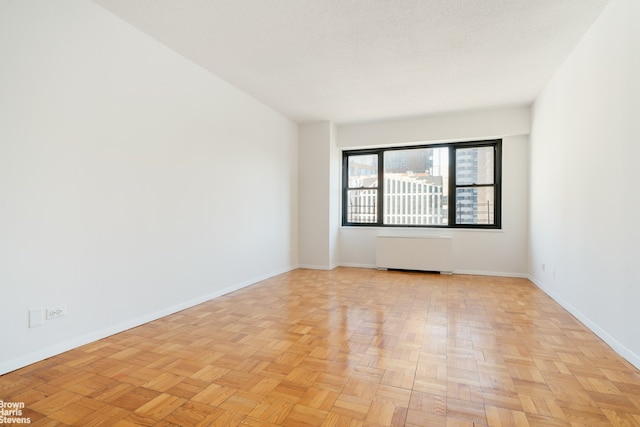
point(355, 265)
point(28, 359)
point(619, 348)
point(470, 272)
point(318, 267)
point(492, 273)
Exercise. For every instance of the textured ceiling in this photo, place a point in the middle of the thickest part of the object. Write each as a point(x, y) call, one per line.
point(360, 60)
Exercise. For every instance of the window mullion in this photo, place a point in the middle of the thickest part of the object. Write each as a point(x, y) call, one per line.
point(452, 187)
point(497, 183)
point(380, 187)
point(345, 188)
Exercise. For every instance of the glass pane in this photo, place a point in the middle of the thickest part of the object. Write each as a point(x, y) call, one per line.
point(475, 205)
point(363, 171)
point(474, 166)
point(362, 206)
point(416, 186)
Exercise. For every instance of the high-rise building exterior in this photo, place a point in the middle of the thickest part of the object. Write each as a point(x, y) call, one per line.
point(410, 199)
point(474, 205)
point(413, 200)
point(466, 198)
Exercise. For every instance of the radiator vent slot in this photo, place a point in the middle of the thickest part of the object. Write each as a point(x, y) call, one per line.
point(415, 253)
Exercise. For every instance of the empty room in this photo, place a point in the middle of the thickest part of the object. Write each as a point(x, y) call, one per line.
point(356, 213)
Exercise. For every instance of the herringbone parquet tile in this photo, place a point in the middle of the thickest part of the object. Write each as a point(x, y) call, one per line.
point(349, 347)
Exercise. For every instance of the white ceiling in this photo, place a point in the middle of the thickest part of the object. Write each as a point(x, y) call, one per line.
point(361, 60)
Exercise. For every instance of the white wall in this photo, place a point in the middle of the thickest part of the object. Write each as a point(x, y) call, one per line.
point(319, 211)
point(132, 182)
point(463, 126)
point(496, 252)
point(335, 196)
point(585, 159)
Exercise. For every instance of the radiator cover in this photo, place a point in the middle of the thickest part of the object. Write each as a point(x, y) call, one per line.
point(415, 253)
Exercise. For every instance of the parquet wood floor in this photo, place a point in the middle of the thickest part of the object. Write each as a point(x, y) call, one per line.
point(348, 347)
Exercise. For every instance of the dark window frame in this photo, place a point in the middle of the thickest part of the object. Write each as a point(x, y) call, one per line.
point(453, 185)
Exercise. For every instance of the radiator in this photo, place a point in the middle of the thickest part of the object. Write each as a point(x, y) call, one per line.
point(415, 253)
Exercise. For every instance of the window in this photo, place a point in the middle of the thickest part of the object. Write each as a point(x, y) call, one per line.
point(363, 188)
point(440, 185)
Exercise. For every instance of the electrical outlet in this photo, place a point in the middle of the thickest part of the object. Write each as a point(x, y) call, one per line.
point(542, 267)
point(56, 312)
